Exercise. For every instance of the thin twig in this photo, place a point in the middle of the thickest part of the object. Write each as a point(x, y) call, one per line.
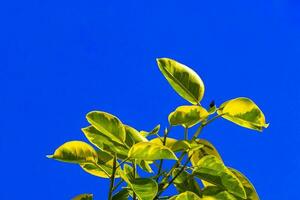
point(112, 178)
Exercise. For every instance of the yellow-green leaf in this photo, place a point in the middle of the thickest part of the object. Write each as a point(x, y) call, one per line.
point(103, 168)
point(187, 116)
point(152, 132)
point(83, 197)
point(244, 112)
point(150, 151)
point(121, 195)
point(144, 188)
point(188, 195)
point(177, 145)
point(75, 152)
point(249, 188)
point(183, 79)
point(104, 142)
point(211, 169)
point(134, 134)
point(185, 182)
point(216, 193)
point(107, 124)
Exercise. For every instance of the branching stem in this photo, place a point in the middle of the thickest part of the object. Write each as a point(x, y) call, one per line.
point(112, 178)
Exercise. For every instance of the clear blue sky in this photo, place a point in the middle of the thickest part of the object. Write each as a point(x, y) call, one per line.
point(62, 59)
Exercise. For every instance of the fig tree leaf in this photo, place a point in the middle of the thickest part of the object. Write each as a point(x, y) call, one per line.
point(211, 169)
point(187, 116)
point(216, 193)
point(83, 197)
point(188, 195)
point(144, 188)
point(183, 79)
point(123, 194)
point(185, 182)
point(152, 132)
point(244, 112)
point(134, 134)
point(249, 188)
point(104, 142)
point(149, 151)
point(75, 152)
point(177, 145)
point(107, 124)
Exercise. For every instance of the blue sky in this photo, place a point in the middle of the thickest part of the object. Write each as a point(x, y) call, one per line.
point(62, 59)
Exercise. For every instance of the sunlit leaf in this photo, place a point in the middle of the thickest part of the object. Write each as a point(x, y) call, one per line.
point(75, 152)
point(187, 116)
point(83, 197)
point(185, 182)
point(103, 168)
point(216, 193)
point(243, 112)
point(134, 134)
point(145, 165)
point(107, 124)
point(150, 151)
point(211, 169)
point(144, 188)
point(177, 145)
point(249, 188)
point(104, 142)
point(152, 132)
point(188, 195)
point(183, 79)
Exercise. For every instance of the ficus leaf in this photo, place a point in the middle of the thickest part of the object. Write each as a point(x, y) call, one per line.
point(144, 188)
point(152, 132)
point(216, 193)
point(104, 142)
point(177, 145)
point(244, 112)
point(185, 182)
point(188, 195)
point(83, 197)
point(211, 169)
point(249, 188)
point(134, 134)
point(75, 152)
point(107, 124)
point(150, 151)
point(184, 80)
point(187, 116)
point(123, 194)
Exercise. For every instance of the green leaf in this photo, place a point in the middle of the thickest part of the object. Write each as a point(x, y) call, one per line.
point(188, 195)
point(184, 80)
point(177, 145)
point(185, 182)
point(144, 188)
point(211, 169)
point(121, 195)
point(150, 151)
point(249, 188)
point(244, 112)
point(152, 132)
point(187, 116)
point(103, 168)
point(145, 165)
point(134, 134)
point(83, 197)
point(107, 124)
point(207, 149)
point(75, 152)
point(104, 142)
point(216, 193)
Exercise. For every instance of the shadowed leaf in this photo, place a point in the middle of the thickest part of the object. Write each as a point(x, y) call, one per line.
point(83, 197)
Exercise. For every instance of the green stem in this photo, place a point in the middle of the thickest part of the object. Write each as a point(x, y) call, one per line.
point(185, 133)
point(134, 174)
point(203, 125)
point(164, 143)
point(117, 185)
point(119, 165)
point(112, 178)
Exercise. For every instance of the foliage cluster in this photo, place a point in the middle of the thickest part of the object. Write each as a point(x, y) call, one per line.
point(198, 172)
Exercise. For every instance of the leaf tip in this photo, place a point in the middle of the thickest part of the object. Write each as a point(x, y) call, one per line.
point(49, 156)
